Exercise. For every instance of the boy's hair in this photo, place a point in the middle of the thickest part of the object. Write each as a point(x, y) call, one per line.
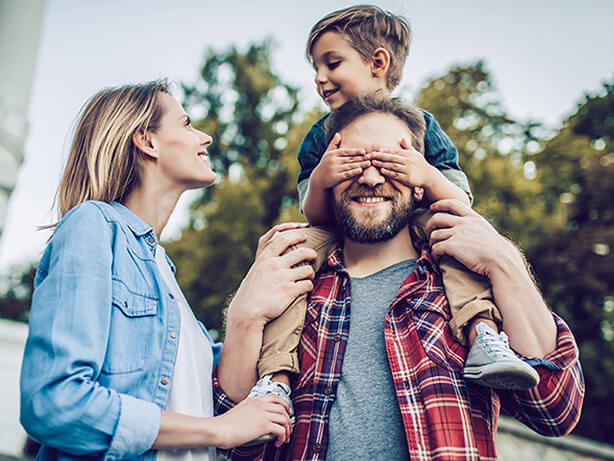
point(364, 105)
point(366, 28)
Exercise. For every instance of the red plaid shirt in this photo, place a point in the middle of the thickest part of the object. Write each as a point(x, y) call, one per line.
point(445, 417)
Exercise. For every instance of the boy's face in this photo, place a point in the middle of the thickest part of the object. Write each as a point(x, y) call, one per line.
point(341, 73)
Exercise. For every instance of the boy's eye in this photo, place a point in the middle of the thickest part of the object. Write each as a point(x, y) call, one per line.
point(333, 65)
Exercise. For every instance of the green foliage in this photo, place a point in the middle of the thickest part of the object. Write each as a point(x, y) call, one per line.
point(17, 293)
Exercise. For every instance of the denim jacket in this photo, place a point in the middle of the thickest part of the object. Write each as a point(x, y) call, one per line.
point(103, 336)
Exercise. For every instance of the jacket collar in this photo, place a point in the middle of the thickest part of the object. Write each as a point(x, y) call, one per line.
point(136, 224)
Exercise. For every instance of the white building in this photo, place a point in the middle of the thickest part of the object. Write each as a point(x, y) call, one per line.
point(12, 341)
point(20, 25)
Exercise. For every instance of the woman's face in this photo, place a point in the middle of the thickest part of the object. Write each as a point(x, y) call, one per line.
point(181, 148)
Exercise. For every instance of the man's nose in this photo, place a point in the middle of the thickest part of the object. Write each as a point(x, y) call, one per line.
point(371, 176)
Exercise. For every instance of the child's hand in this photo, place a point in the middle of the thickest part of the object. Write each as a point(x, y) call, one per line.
point(406, 165)
point(338, 164)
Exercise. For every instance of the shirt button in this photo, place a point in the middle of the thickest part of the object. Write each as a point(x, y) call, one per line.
point(337, 337)
point(151, 240)
point(164, 381)
point(317, 447)
point(173, 334)
point(171, 295)
point(328, 391)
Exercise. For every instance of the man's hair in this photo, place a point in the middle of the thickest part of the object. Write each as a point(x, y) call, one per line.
point(364, 105)
point(366, 28)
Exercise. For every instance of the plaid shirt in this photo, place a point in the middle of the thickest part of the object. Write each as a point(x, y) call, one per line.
point(445, 417)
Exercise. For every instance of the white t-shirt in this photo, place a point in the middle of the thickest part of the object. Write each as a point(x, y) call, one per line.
point(191, 387)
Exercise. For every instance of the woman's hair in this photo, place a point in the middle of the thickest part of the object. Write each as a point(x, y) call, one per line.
point(103, 162)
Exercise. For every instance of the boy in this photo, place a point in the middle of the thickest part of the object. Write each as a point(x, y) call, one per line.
point(359, 51)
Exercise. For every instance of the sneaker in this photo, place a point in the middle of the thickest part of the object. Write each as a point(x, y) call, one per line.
point(265, 386)
point(490, 362)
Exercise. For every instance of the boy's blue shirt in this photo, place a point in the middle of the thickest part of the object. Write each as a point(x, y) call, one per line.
point(438, 151)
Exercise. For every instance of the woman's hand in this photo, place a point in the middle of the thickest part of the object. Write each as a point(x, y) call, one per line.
point(252, 418)
point(274, 279)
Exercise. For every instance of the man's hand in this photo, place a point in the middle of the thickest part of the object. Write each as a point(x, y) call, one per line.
point(458, 231)
point(406, 165)
point(274, 279)
point(338, 164)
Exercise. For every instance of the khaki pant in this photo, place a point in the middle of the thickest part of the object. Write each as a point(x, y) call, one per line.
point(469, 296)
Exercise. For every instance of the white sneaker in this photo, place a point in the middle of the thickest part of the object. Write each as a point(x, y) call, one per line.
point(265, 386)
point(492, 363)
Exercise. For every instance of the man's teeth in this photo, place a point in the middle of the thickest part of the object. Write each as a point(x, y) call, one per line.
point(370, 199)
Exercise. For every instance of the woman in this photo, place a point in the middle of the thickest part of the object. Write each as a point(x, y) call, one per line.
point(116, 366)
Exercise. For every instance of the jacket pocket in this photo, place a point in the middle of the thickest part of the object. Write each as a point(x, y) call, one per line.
point(131, 329)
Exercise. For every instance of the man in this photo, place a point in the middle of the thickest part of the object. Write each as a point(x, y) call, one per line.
point(387, 384)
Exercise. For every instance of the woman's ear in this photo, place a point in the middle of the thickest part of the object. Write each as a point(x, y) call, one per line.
point(418, 194)
point(380, 62)
point(146, 143)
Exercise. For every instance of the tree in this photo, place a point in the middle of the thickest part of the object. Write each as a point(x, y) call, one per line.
point(575, 265)
point(252, 117)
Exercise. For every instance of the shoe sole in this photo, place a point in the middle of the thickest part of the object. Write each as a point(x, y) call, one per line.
point(503, 376)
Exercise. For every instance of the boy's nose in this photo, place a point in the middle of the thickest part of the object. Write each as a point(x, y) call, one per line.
point(371, 176)
point(320, 77)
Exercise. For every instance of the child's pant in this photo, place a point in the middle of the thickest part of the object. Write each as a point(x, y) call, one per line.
point(469, 296)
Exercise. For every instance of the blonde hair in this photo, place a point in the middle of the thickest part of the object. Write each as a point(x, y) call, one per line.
point(367, 28)
point(103, 162)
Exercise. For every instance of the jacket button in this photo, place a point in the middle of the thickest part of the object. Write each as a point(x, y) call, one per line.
point(164, 381)
point(151, 240)
point(317, 447)
point(328, 391)
point(337, 337)
point(173, 334)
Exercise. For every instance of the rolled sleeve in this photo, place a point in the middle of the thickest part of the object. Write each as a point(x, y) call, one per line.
point(553, 407)
point(137, 428)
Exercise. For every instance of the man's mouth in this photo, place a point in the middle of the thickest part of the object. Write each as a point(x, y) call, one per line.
point(370, 200)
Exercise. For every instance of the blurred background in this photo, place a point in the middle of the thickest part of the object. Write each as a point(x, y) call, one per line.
point(525, 90)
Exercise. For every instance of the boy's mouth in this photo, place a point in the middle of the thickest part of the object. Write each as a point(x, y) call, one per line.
point(326, 94)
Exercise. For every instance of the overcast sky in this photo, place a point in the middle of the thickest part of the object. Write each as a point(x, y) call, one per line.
point(543, 54)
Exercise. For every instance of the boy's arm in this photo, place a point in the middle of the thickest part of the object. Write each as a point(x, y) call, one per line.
point(440, 152)
point(337, 164)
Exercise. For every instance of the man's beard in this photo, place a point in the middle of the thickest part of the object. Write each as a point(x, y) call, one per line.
point(380, 231)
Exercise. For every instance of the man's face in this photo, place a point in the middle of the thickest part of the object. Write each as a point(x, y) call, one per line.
point(372, 208)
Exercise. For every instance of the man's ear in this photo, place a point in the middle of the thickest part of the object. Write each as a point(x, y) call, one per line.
point(146, 143)
point(380, 62)
point(418, 193)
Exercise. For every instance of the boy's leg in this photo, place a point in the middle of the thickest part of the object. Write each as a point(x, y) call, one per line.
point(282, 335)
point(490, 360)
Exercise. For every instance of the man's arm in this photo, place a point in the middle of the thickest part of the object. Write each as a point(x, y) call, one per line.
point(542, 338)
point(458, 231)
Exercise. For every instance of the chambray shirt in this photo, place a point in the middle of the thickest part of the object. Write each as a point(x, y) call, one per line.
point(439, 151)
point(103, 336)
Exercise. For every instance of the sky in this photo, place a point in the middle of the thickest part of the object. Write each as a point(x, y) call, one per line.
point(544, 56)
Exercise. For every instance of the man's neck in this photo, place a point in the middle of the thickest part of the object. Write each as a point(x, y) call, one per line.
point(363, 259)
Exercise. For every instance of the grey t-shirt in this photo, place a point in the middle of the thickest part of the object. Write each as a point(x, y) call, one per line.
point(365, 420)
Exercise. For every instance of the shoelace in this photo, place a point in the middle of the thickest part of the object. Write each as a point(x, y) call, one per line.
point(497, 344)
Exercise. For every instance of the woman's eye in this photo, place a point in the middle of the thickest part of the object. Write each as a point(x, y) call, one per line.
point(188, 121)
